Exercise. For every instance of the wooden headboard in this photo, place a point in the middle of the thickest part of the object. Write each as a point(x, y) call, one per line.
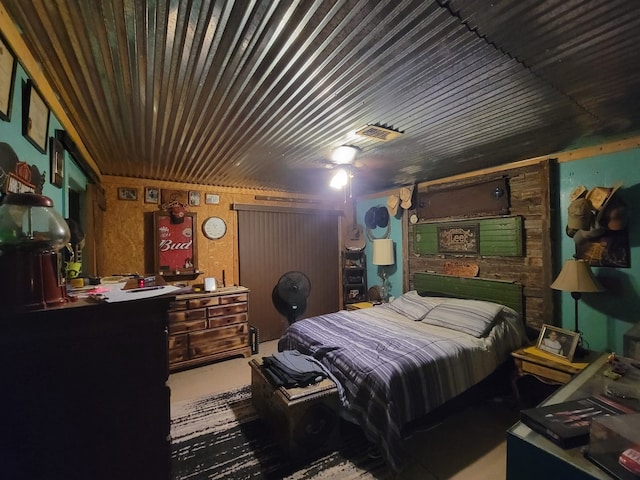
point(497, 291)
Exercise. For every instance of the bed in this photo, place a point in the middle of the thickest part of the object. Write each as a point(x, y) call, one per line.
point(396, 362)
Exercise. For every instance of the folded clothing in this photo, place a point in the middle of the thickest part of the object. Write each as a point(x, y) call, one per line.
point(292, 369)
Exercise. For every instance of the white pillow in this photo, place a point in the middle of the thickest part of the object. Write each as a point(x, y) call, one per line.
point(474, 317)
point(411, 305)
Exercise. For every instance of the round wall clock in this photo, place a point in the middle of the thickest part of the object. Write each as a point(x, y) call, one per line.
point(214, 228)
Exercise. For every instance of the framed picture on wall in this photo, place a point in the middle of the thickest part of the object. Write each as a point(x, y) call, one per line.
point(151, 195)
point(56, 162)
point(7, 79)
point(35, 117)
point(126, 193)
point(194, 198)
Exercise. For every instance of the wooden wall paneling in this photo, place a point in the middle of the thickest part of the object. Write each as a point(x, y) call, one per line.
point(529, 199)
point(484, 197)
point(504, 292)
point(500, 236)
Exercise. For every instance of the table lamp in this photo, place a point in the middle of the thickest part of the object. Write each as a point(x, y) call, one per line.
point(576, 277)
point(383, 256)
point(31, 235)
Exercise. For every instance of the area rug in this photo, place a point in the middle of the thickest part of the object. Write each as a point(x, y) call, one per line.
point(221, 437)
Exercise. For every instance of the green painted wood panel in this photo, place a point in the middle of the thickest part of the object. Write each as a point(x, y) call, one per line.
point(497, 291)
point(501, 236)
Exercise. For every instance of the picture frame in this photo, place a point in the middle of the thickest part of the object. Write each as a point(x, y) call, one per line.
point(56, 162)
point(211, 199)
point(7, 79)
point(127, 193)
point(558, 342)
point(194, 198)
point(35, 117)
point(151, 195)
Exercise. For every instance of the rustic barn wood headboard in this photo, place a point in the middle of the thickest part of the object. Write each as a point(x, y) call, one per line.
point(497, 291)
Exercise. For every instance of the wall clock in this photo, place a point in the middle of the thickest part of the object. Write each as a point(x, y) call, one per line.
point(214, 228)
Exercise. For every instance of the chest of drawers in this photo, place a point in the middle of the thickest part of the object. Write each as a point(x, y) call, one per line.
point(205, 327)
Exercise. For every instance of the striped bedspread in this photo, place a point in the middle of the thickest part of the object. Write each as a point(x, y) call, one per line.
point(392, 369)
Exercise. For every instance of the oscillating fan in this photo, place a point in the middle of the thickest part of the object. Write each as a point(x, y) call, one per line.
point(290, 295)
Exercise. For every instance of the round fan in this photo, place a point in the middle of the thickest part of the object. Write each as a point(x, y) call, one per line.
point(290, 295)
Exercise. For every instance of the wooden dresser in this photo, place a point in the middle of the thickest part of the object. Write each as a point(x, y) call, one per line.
point(208, 326)
point(84, 392)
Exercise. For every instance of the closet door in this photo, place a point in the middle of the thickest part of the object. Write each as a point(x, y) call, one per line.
point(273, 241)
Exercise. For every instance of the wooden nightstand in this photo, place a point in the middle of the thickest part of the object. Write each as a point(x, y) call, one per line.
point(359, 305)
point(544, 367)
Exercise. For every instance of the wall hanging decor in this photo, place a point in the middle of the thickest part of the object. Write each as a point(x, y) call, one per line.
point(35, 117)
point(7, 79)
point(127, 193)
point(151, 195)
point(598, 223)
point(56, 162)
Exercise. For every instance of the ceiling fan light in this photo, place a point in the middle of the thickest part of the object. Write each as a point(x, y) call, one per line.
point(344, 154)
point(340, 179)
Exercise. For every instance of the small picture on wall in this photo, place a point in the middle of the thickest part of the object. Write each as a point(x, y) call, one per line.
point(151, 195)
point(56, 162)
point(212, 199)
point(126, 193)
point(194, 198)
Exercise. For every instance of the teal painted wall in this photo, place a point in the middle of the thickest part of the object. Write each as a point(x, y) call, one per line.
point(11, 133)
point(604, 317)
point(394, 272)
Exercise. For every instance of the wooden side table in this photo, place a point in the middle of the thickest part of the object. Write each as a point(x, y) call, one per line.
point(544, 367)
point(359, 305)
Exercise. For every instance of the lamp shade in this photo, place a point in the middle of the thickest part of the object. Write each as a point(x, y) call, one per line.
point(383, 251)
point(576, 276)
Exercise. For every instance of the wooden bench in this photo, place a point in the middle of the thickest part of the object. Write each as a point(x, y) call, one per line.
point(304, 420)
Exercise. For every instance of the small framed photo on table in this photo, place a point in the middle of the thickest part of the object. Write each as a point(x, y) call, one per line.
point(557, 341)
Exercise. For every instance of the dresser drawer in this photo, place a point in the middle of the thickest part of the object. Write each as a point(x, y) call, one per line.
point(237, 298)
point(222, 310)
point(546, 372)
point(203, 302)
point(187, 315)
point(218, 340)
point(228, 320)
point(178, 348)
point(187, 326)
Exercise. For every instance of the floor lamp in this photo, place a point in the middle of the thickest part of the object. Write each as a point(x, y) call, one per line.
point(383, 256)
point(576, 277)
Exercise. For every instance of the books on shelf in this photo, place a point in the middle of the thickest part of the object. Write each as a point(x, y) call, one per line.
point(567, 424)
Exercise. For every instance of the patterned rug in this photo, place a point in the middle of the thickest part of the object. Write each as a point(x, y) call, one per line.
point(221, 437)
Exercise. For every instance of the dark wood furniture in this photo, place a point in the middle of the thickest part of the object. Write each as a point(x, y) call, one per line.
point(305, 421)
point(544, 368)
point(354, 277)
point(208, 326)
point(84, 392)
point(530, 455)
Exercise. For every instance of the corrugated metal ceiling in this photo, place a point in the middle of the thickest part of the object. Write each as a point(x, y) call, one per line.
point(257, 93)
